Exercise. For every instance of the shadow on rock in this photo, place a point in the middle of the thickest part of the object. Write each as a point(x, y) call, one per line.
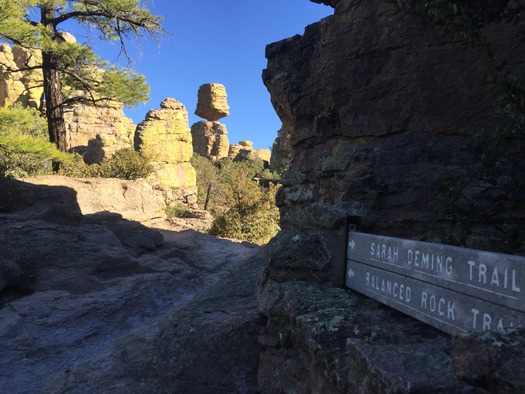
point(118, 306)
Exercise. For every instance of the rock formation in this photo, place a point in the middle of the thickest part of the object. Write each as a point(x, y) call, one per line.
point(379, 109)
point(98, 131)
point(24, 87)
point(165, 138)
point(244, 150)
point(212, 104)
point(281, 155)
point(210, 139)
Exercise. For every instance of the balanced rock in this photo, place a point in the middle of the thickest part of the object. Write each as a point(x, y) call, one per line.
point(212, 104)
point(210, 139)
point(164, 137)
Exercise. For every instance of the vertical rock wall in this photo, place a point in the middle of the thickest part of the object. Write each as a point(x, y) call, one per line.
point(379, 110)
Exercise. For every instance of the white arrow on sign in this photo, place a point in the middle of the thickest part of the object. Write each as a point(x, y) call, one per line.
point(352, 244)
point(351, 273)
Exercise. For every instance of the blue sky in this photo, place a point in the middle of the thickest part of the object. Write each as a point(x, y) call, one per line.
point(220, 41)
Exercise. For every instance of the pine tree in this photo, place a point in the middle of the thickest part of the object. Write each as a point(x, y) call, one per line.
point(36, 26)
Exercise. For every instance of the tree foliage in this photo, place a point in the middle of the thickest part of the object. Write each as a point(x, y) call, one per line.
point(243, 207)
point(36, 26)
point(24, 147)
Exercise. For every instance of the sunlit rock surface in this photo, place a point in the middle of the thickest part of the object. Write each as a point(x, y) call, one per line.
point(164, 137)
point(212, 103)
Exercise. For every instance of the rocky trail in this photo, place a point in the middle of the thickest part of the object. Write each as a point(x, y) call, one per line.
point(121, 307)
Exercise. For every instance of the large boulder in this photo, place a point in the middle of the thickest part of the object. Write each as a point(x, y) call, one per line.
point(244, 151)
point(98, 131)
point(212, 104)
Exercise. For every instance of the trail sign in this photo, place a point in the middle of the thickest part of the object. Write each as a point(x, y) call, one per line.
point(454, 289)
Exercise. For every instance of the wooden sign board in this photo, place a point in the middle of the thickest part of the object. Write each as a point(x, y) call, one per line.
point(454, 289)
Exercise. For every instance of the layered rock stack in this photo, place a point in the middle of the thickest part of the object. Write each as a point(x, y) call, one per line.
point(98, 132)
point(164, 137)
point(24, 87)
point(210, 137)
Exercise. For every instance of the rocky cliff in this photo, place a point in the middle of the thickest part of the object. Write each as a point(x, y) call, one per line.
point(380, 110)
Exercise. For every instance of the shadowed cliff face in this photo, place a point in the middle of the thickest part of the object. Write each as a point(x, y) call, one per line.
point(380, 109)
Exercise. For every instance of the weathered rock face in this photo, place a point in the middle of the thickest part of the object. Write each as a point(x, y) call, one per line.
point(24, 87)
point(212, 104)
point(98, 132)
point(244, 151)
point(164, 136)
point(281, 155)
point(210, 139)
point(379, 110)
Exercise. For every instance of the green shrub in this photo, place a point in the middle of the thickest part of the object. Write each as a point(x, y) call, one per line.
point(243, 208)
point(207, 179)
point(17, 120)
point(25, 156)
point(77, 168)
point(24, 146)
point(124, 164)
point(176, 211)
point(249, 212)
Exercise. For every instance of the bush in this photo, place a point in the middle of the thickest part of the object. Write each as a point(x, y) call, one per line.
point(17, 120)
point(249, 212)
point(24, 146)
point(124, 164)
point(176, 211)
